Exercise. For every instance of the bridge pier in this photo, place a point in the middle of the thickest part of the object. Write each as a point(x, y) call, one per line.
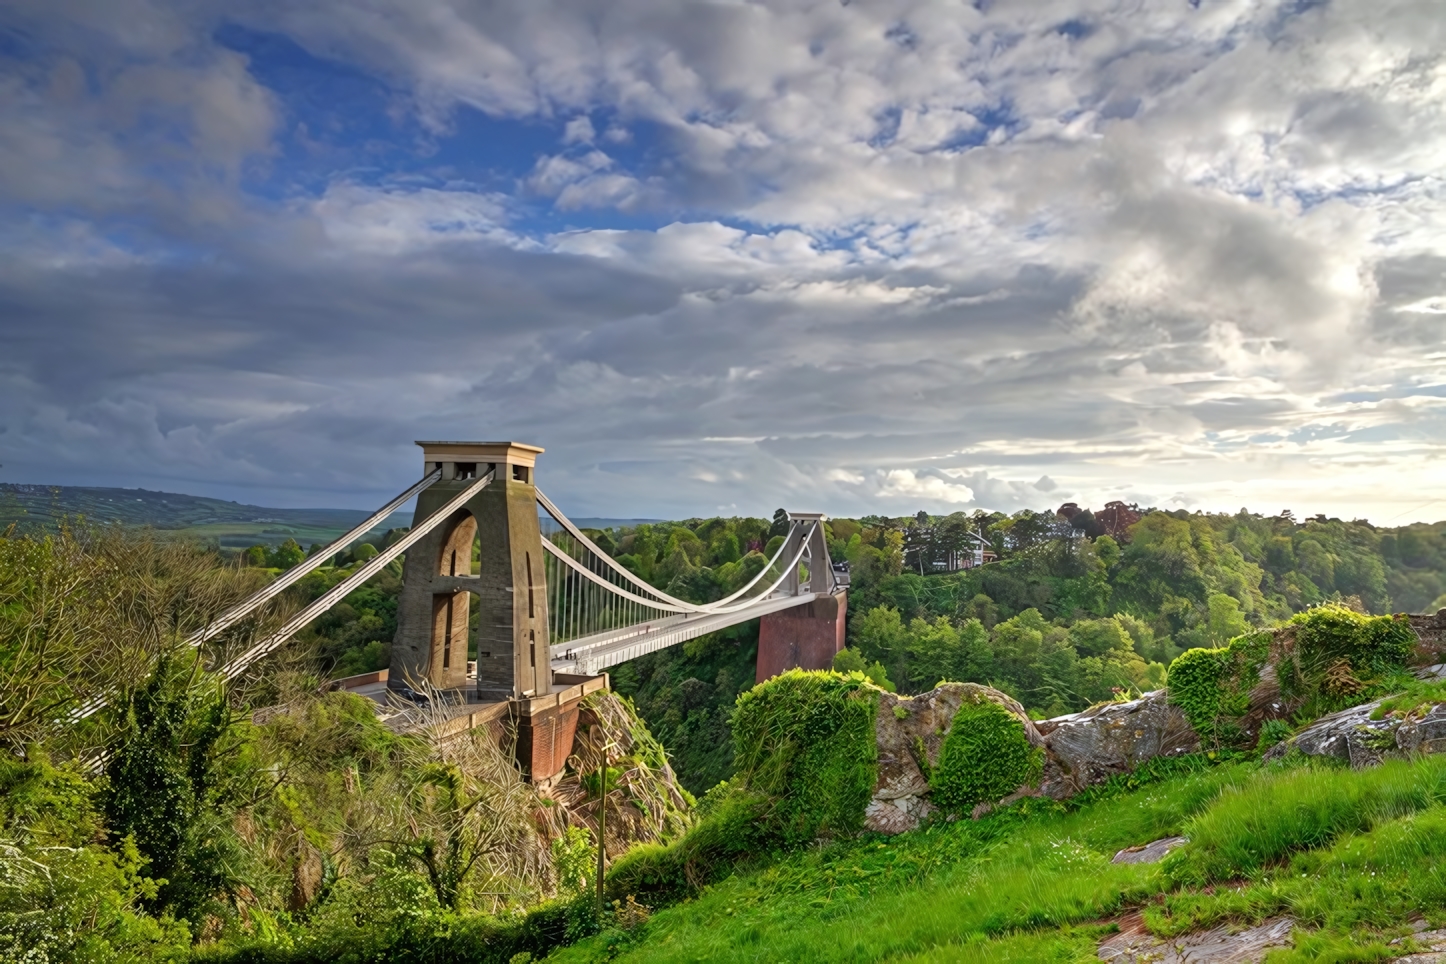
point(546, 726)
point(804, 637)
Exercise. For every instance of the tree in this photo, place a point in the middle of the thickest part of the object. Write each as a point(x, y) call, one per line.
point(780, 524)
point(1225, 619)
point(165, 789)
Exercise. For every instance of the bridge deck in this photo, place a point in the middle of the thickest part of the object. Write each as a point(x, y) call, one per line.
point(590, 655)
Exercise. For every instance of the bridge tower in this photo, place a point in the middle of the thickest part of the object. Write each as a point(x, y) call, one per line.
point(441, 576)
point(810, 635)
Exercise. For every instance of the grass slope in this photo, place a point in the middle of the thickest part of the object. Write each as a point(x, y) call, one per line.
point(228, 524)
point(1351, 855)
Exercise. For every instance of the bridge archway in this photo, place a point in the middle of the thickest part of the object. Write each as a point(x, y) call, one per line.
point(451, 607)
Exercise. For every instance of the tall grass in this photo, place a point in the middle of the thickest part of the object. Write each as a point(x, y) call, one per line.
point(1274, 815)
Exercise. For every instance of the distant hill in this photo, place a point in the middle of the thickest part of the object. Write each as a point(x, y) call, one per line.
point(232, 525)
point(593, 522)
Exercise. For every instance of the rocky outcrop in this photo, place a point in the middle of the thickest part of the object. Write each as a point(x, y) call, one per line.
point(1087, 748)
point(910, 732)
point(1352, 735)
point(1079, 750)
point(1090, 747)
point(1431, 630)
point(1222, 945)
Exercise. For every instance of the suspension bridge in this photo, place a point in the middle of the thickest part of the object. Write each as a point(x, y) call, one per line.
point(553, 609)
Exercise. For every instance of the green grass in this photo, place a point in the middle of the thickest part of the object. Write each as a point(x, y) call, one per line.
point(1035, 865)
point(1415, 697)
point(1277, 814)
point(1351, 855)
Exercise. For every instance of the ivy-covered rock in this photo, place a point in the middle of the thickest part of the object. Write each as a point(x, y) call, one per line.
point(1213, 688)
point(805, 741)
point(1325, 659)
point(912, 734)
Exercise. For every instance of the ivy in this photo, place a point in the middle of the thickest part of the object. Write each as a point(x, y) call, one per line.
point(986, 757)
point(1371, 646)
point(805, 742)
point(1326, 658)
point(1212, 686)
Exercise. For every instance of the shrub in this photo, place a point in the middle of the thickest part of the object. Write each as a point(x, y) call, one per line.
point(165, 787)
point(1271, 733)
point(1342, 652)
point(986, 756)
point(733, 832)
point(807, 761)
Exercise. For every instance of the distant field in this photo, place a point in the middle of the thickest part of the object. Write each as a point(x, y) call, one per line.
point(230, 525)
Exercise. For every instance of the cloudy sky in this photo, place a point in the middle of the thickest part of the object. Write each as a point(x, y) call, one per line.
point(847, 255)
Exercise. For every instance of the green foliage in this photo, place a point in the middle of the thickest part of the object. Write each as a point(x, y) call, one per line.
point(573, 859)
point(1372, 646)
point(732, 833)
point(805, 740)
point(1327, 657)
point(985, 757)
point(395, 919)
point(849, 661)
point(1271, 733)
point(1212, 686)
point(166, 792)
point(64, 897)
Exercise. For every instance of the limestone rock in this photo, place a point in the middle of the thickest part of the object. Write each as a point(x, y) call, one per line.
point(1353, 736)
point(1092, 746)
point(910, 732)
point(1222, 945)
point(1150, 853)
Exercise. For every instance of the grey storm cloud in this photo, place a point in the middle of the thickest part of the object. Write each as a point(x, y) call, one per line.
point(898, 255)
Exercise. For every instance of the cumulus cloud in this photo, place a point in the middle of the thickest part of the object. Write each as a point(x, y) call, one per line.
point(856, 257)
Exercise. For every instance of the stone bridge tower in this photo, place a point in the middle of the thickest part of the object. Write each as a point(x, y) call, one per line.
point(499, 526)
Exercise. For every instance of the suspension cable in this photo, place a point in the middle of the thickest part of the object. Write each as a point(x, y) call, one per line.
point(344, 588)
point(578, 567)
point(587, 543)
